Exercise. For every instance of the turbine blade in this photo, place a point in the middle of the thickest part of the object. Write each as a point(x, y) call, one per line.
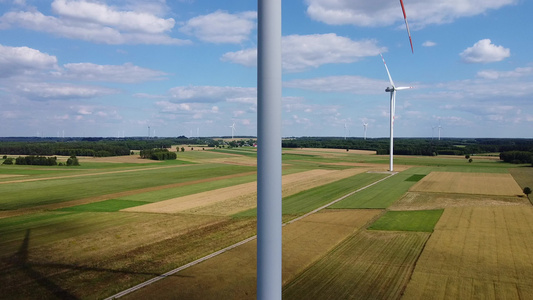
point(403, 88)
point(407, 25)
point(390, 78)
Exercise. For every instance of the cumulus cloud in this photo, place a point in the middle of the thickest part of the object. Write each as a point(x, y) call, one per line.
point(221, 27)
point(518, 72)
point(429, 44)
point(59, 91)
point(384, 13)
point(24, 60)
point(302, 52)
point(210, 94)
point(484, 52)
point(97, 13)
point(126, 73)
point(351, 84)
point(95, 22)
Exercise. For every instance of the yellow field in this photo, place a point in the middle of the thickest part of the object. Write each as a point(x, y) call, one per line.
point(430, 201)
point(477, 253)
point(468, 183)
point(231, 200)
point(232, 275)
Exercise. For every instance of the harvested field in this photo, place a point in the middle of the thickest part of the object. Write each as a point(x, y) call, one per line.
point(468, 183)
point(477, 253)
point(429, 201)
point(132, 159)
point(331, 150)
point(9, 175)
point(97, 263)
point(232, 275)
point(368, 265)
point(230, 200)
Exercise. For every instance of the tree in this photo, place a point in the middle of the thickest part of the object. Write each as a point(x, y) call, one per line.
point(8, 161)
point(73, 161)
point(470, 160)
point(467, 156)
point(527, 191)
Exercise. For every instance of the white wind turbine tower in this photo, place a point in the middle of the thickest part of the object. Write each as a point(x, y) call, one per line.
point(345, 129)
point(365, 125)
point(439, 127)
point(392, 90)
point(232, 130)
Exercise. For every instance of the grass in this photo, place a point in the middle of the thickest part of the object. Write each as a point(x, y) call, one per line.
point(422, 220)
point(104, 206)
point(416, 177)
point(308, 200)
point(383, 194)
point(29, 194)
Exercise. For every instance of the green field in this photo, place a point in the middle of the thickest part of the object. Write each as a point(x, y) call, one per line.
point(63, 234)
point(423, 220)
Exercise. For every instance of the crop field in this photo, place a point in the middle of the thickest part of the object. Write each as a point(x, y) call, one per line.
point(469, 183)
point(477, 253)
point(92, 231)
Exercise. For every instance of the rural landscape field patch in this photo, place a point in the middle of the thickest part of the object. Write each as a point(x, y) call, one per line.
point(468, 183)
point(477, 253)
point(232, 275)
point(368, 265)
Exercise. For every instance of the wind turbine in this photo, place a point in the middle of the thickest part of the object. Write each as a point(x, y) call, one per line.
point(392, 90)
point(365, 125)
point(232, 130)
point(439, 127)
point(345, 130)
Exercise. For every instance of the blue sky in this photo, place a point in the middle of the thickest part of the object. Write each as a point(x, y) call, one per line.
point(188, 67)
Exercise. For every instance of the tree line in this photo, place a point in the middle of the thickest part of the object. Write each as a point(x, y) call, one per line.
point(158, 154)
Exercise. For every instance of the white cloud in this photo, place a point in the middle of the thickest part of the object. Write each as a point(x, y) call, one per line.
point(420, 13)
point(350, 84)
point(516, 73)
point(302, 52)
point(59, 91)
point(95, 22)
point(21, 60)
point(429, 44)
point(210, 94)
point(127, 73)
point(96, 13)
point(221, 27)
point(484, 52)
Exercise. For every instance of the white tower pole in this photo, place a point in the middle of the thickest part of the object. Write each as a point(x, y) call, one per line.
point(269, 151)
point(392, 94)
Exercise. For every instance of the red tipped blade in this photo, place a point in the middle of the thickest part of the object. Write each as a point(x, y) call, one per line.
point(407, 25)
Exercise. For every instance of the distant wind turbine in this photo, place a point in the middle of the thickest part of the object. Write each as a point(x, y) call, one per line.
point(345, 129)
point(365, 125)
point(232, 130)
point(439, 127)
point(392, 90)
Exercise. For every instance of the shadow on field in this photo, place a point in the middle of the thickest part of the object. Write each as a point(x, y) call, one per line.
point(20, 261)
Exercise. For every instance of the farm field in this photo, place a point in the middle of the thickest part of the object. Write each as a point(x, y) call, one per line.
point(93, 231)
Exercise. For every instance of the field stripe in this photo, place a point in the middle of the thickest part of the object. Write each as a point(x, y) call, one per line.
point(169, 273)
point(172, 272)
